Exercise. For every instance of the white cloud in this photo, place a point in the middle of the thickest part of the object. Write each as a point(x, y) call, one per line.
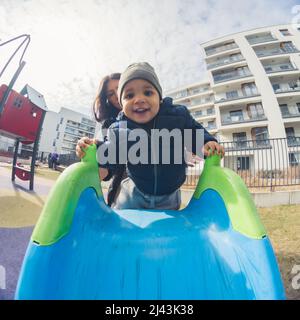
point(74, 43)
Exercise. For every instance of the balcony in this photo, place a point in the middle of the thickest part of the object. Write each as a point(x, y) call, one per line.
point(232, 76)
point(227, 60)
point(229, 120)
point(279, 68)
point(285, 88)
point(276, 51)
point(211, 51)
point(257, 40)
point(200, 114)
point(288, 114)
point(293, 141)
point(237, 97)
point(210, 127)
point(247, 145)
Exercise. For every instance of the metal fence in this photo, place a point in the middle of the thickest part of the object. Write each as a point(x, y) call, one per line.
point(266, 163)
point(68, 159)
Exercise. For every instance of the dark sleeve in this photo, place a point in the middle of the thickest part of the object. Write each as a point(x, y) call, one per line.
point(191, 123)
point(114, 142)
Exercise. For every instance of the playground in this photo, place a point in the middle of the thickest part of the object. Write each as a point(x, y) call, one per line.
point(59, 239)
point(21, 208)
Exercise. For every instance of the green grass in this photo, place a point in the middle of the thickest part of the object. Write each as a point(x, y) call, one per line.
point(283, 228)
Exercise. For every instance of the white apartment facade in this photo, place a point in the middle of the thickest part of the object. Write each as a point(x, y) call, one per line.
point(62, 130)
point(252, 87)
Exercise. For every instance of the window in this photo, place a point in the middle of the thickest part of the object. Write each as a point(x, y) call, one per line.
point(260, 135)
point(287, 47)
point(17, 103)
point(255, 110)
point(210, 125)
point(294, 158)
point(236, 115)
point(57, 127)
point(284, 109)
point(231, 95)
point(197, 113)
point(298, 106)
point(57, 135)
point(61, 120)
point(285, 32)
point(249, 89)
point(243, 163)
point(276, 87)
point(290, 132)
point(53, 144)
point(209, 111)
point(240, 139)
point(268, 68)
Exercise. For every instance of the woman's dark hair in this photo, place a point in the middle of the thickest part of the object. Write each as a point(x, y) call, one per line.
point(102, 108)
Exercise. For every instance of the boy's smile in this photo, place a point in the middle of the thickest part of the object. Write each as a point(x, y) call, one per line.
point(140, 101)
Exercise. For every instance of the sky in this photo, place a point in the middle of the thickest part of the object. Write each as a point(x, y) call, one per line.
point(74, 43)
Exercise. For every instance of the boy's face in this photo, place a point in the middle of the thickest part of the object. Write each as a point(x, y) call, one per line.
point(140, 101)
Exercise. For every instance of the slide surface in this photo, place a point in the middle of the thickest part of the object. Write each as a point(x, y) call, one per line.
point(215, 248)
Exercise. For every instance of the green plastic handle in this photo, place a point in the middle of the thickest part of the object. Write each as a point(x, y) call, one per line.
point(237, 198)
point(57, 215)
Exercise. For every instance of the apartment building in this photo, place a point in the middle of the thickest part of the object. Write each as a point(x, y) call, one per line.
point(62, 130)
point(252, 88)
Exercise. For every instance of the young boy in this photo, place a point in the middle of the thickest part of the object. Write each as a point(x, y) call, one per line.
point(152, 185)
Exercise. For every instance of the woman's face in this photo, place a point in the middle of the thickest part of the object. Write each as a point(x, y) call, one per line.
point(112, 93)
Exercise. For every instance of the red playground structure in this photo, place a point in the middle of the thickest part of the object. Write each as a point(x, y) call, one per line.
point(21, 118)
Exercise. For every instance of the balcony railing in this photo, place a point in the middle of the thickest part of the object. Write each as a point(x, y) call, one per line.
point(227, 120)
point(279, 68)
point(240, 96)
point(231, 76)
point(212, 51)
point(261, 39)
point(210, 127)
point(290, 114)
point(284, 87)
point(293, 141)
point(224, 62)
point(202, 115)
point(275, 51)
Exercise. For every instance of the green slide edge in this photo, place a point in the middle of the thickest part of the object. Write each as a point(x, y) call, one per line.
point(236, 196)
point(57, 215)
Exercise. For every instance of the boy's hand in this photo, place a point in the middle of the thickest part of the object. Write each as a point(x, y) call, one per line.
point(83, 143)
point(213, 147)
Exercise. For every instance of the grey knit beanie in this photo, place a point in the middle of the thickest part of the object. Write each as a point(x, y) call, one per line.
point(140, 70)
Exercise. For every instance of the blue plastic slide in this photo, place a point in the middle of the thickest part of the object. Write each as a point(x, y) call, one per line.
point(215, 248)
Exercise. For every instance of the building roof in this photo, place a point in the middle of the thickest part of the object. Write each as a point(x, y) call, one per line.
point(34, 96)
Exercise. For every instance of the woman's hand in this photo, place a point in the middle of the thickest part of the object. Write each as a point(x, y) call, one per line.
point(213, 147)
point(82, 144)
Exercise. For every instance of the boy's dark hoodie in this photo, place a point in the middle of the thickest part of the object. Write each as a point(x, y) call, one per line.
point(160, 179)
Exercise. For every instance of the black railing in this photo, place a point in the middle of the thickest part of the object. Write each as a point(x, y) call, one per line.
point(68, 159)
point(267, 163)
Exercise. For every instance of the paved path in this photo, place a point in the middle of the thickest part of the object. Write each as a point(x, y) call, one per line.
point(13, 244)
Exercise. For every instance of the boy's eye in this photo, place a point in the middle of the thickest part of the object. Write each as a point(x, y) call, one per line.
point(148, 93)
point(129, 96)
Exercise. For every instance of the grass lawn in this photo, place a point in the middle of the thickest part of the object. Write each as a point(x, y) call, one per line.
point(283, 228)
